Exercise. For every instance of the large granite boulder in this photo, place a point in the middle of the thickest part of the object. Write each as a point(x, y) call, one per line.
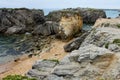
point(88, 15)
point(20, 20)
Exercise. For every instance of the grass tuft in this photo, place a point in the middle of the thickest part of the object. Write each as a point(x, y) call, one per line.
point(117, 41)
point(17, 77)
point(53, 60)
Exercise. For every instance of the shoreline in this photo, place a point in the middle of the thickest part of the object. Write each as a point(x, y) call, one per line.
point(25, 63)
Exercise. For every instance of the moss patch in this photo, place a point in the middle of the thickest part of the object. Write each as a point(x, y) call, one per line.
point(107, 24)
point(17, 77)
point(107, 45)
point(117, 41)
point(53, 60)
point(118, 25)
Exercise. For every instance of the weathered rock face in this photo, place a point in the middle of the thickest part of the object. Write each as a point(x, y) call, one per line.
point(105, 36)
point(47, 28)
point(70, 25)
point(88, 15)
point(89, 62)
point(115, 23)
point(20, 20)
point(97, 58)
point(41, 69)
point(75, 44)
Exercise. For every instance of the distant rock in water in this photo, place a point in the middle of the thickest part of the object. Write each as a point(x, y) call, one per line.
point(89, 15)
point(20, 20)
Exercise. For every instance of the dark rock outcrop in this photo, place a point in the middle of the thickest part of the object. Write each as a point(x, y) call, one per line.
point(88, 15)
point(47, 28)
point(105, 33)
point(75, 44)
point(69, 25)
point(20, 20)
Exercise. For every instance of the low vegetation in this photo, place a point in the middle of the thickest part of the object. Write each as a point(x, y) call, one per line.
point(117, 41)
point(107, 45)
point(53, 60)
point(118, 25)
point(17, 77)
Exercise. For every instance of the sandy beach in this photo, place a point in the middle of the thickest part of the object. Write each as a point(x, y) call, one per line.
point(25, 64)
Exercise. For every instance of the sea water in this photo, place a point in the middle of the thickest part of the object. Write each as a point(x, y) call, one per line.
point(112, 13)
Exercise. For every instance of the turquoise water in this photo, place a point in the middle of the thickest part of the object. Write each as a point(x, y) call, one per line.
point(46, 11)
point(112, 13)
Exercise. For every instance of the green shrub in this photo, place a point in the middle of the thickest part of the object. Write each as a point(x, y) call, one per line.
point(118, 25)
point(53, 60)
point(107, 24)
point(106, 45)
point(117, 41)
point(17, 77)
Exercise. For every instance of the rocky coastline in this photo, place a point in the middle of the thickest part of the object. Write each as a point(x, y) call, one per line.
point(36, 29)
point(92, 54)
point(96, 58)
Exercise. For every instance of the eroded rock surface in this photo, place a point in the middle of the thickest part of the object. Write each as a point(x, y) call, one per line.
point(20, 20)
point(97, 58)
point(75, 44)
point(88, 15)
point(102, 22)
point(89, 62)
point(105, 36)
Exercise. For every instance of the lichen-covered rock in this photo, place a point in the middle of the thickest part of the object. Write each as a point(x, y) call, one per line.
point(88, 15)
